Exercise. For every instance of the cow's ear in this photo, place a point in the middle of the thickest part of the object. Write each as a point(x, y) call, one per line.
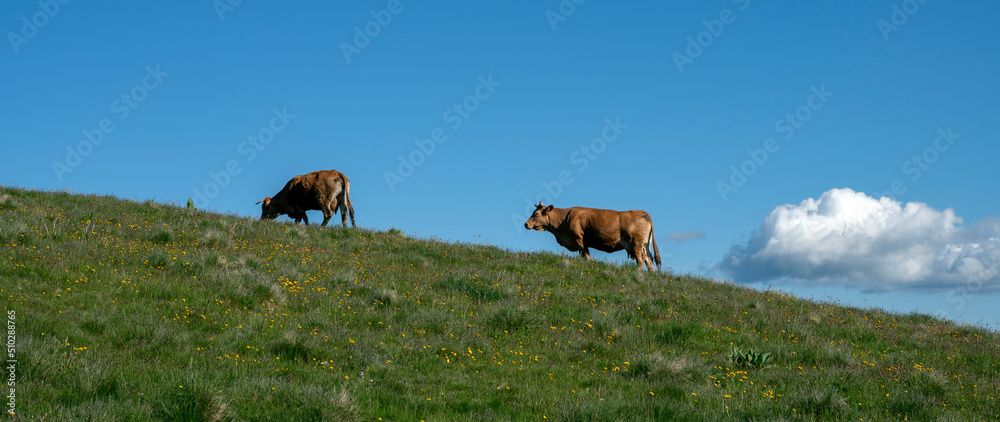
point(549, 208)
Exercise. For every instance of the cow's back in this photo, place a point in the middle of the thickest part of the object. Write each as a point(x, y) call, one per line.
point(609, 230)
point(313, 190)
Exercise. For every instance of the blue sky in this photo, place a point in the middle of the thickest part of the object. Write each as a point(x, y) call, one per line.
point(761, 136)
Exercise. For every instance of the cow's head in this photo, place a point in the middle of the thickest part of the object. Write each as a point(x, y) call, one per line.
point(267, 210)
point(539, 219)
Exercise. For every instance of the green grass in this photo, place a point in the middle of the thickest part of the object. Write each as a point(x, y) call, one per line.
point(143, 311)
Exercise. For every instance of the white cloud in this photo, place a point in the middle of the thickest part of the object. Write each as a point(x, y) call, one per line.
point(849, 238)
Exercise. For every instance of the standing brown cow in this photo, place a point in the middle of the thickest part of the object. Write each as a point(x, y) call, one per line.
point(579, 228)
point(323, 190)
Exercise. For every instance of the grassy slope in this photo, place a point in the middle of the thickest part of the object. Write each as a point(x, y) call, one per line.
point(138, 311)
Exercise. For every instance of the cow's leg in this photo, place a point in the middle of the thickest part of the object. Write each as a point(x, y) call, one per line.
point(648, 247)
point(342, 203)
point(639, 250)
point(649, 258)
point(333, 206)
point(304, 218)
point(343, 214)
point(327, 215)
point(576, 244)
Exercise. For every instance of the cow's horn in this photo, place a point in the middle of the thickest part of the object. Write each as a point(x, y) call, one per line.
point(262, 200)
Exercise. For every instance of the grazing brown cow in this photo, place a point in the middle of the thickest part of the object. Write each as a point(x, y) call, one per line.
point(579, 228)
point(324, 190)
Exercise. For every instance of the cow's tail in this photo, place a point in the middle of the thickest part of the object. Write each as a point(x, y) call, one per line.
point(652, 242)
point(347, 199)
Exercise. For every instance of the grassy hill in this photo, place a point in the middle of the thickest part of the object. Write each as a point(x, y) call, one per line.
point(143, 311)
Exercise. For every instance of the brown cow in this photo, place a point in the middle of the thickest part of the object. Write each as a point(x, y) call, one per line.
point(579, 228)
point(324, 190)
